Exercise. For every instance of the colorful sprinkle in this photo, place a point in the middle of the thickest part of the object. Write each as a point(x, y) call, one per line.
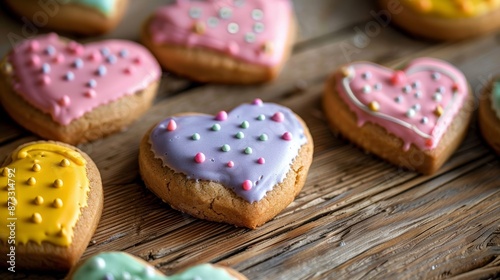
point(367, 89)
point(347, 71)
point(57, 203)
point(46, 68)
point(199, 28)
point(240, 135)
point(439, 111)
point(221, 116)
point(456, 87)
point(64, 163)
point(418, 94)
point(261, 117)
point(287, 136)
point(129, 70)
point(92, 83)
point(78, 64)
point(216, 127)
point(59, 58)
point(111, 59)
point(36, 167)
point(261, 161)
point(374, 106)
point(38, 200)
point(230, 164)
point(377, 86)
point(69, 76)
point(411, 113)
point(36, 218)
point(278, 117)
point(123, 53)
point(95, 56)
point(436, 76)
point(35, 60)
point(45, 80)
point(257, 101)
point(245, 125)
point(172, 125)
point(34, 46)
point(233, 28)
point(196, 137)
point(248, 151)
point(416, 107)
point(429, 142)
point(226, 148)
point(31, 181)
point(424, 120)
point(199, 158)
point(58, 183)
point(101, 70)
point(263, 137)
point(50, 50)
point(64, 101)
point(398, 78)
point(247, 185)
point(90, 93)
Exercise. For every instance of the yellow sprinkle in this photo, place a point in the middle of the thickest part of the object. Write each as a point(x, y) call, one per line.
point(31, 181)
point(36, 218)
point(38, 200)
point(347, 71)
point(57, 203)
point(374, 106)
point(268, 47)
point(5, 172)
point(22, 155)
point(36, 167)
point(58, 183)
point(64, 163)
point(7, 68)
point(199, 28)
point(439, 111)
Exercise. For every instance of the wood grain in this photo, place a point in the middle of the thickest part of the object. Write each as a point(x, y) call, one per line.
point(357, 217)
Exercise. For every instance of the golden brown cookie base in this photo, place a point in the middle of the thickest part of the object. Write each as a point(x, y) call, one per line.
point(488, 120)
point(70, 17)
point(100, 122)
point(375, 139)
point(47, 256)
point(212, 201)
point(449, 29)
point(206, 65)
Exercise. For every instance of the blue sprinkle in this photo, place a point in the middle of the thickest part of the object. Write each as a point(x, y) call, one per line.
point(111, 59)
point(78, 63)
point(92, 83)
point(105, 51)
point(124, 53)
point(50, 50)
point(46, 68)
point(69, 76)
point(101, 71)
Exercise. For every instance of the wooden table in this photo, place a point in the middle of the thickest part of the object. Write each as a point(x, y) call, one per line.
point(357, 216)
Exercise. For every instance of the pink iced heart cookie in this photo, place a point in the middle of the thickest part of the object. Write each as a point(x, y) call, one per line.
point(241, 167)
point(411, 117)
point(76, 93)
point(232, 41)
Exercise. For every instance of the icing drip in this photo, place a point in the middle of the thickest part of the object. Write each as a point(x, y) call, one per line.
point(253, 31)
point(48, 184)
point(416, 105)
point(67, 80)
point(231, 154)
point(118, 265)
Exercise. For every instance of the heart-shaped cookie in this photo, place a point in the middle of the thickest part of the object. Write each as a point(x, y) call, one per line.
point(120, 265)
point(51, 201)
point(489, 114)
point(241, 167)
point(417, 105)
point(249, 38)
point(86, 91)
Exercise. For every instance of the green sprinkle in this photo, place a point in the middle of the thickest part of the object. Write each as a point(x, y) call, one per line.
point(196, 137)
point(240, 135)
point(261, 117)
point(263, 137)
point(216, 127)
point(248, 150)
point(226, 148)
point(245, 124)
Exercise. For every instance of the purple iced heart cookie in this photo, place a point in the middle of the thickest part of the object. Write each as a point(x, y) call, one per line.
point(255, 154)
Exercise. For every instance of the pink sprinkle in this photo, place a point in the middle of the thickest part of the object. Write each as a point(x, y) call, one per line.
point(287, 136)
point(199, 158)
point(129, 70)
point(75, 48)
point(221, 116)
point(261, 161)
point(90, 93)
point(34, 46)
point(172, 125)
point(35, 60)
point(230, 164)
point(138, 60)
point(247, 185)
point(278, 117)
point(233, 48)
point(257, 102)
point(456, 87)
point(45, 80)
point(64, 101)
point(59, 58)
point(398, 78)
point(429, 143)
point(95, 56)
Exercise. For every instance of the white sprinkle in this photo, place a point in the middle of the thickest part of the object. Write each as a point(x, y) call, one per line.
point(416, 84)
point(440, 89)
point(258, 27)
point(418, 94)
point(195, 12)
point(398, 99)
point(257, 14)
point(367, 89)
point(410, 113)
point(424, 120)
point(233, 28)
point(436, 76)
point(250, 37)
point(407, 89)
point(212, 22)
point(437, 97)
point(416, 107)
point(225, 13)
point(377, 86)
point(367, 75)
